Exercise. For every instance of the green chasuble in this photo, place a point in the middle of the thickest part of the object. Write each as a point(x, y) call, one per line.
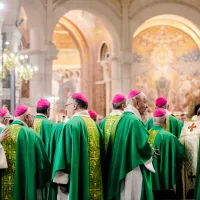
point(43, 126)
point(28, 165)
point(128, 149)
point(168, 164)
point(106, 125)
point(174, 125)
point(79, 154)
point(51, 147)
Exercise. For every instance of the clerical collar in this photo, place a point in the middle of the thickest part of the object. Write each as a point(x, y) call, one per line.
point(2, 125)
point(116, 112)
point(19, 122)
point(83, 113)
point(40, 114)
point(133, 110)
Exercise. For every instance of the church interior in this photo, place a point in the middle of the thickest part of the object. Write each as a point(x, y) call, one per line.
point(96, 49)
point(53, 48)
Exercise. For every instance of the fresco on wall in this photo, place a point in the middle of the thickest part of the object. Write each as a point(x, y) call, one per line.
point(166, 62)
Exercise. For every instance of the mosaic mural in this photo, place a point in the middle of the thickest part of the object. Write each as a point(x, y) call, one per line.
point(166, 62)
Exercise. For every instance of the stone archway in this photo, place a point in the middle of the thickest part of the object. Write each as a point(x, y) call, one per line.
point(111, 21)
point(88, 32)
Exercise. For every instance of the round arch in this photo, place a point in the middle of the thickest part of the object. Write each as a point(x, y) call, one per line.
point(157, 9)
point(105, 14)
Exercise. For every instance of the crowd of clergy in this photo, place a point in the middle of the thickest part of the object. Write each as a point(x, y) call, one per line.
point(122, 158)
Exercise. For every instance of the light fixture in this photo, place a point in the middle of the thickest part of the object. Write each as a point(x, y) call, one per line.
point(14, 61)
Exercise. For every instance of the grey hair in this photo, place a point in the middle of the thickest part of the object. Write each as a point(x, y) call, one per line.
point(132, 101)
point(2, 118)
point(160, 120)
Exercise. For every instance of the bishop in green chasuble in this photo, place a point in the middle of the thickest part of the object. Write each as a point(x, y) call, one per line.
point(168, 164)
point(42, 125)
point(28, 165)
point(190, 139)
point(130, 155)
point(118, 103)
point(79, 153)
point(173, 126)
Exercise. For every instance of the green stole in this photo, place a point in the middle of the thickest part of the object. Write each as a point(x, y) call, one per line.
point(168, 164)
point(43, 126)
point(106, 125)
point(79, 154)
point(128, 149)
point(173, 126)
point(28, 165)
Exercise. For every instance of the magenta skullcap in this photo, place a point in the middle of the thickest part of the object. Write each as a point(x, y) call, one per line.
point(92, 114)
point(160, 102)
point(80, 96)
point(160, 112)
point(133, 93)
point(3, 112)
point(43, 103)
point(118, 98)
point(20, 110)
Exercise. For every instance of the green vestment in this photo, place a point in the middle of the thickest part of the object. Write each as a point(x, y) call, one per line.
point(106, 126)
point(79, 154)
point(28, 165)
point(51, 147)
point(128, 149)
point(168, 164)
point(174, 125)
point(43, 126)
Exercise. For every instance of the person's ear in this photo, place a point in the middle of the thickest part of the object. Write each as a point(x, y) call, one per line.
point(75, 106)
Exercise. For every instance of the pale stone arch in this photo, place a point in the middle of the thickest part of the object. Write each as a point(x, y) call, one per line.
point(99, 9)
point(169, 8)
point(36, 23)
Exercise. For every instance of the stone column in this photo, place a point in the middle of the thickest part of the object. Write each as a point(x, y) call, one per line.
point(41, 83)
point(13, 36)
point(126, 60)
point(116, 76)
point(106, 81)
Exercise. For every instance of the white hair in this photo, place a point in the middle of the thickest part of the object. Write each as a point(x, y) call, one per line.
point(6, 115)
point(21, 117)
point(133, 100)
point(160, 120)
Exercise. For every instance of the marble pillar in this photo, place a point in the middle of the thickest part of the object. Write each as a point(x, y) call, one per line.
point(12, 35)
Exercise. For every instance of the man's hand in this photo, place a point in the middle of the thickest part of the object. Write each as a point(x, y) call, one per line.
point(155, 153)
point(5, 134)
point(64, 189)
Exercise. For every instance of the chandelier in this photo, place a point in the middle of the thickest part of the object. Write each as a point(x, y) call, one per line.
point(15, 61)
